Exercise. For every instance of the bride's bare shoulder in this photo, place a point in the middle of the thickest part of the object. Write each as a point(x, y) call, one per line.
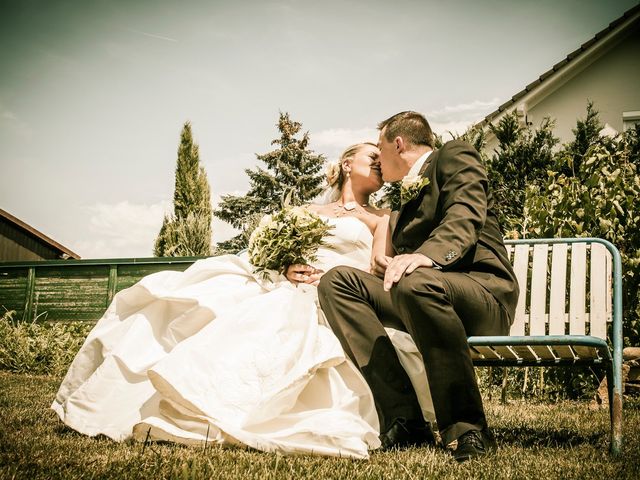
point(381, 212)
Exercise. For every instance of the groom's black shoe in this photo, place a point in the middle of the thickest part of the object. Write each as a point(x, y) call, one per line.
point(473, 444)
point(407, 433)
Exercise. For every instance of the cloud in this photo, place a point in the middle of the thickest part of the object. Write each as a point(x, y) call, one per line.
point(332, 142)
point(466, 109)
point(451, 127)
point(455, 118)
point(121, 230)
point(13, 123)
point(152, 35)
point(127, 230)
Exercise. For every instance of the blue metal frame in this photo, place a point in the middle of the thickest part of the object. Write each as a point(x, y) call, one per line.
point(612, 360)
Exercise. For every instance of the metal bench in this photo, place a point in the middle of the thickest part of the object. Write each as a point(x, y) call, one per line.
point(568, 313)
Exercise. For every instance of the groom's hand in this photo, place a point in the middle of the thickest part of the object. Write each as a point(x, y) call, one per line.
point(402, 264)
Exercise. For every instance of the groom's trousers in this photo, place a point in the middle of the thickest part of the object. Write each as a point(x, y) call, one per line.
point(439, 310)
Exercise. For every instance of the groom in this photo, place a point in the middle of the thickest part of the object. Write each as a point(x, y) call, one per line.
point(445, 276)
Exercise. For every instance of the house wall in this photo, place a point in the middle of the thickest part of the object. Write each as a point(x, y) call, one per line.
point(612, 82)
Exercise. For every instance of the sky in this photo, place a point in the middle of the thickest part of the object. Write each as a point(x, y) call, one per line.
point(94, 93)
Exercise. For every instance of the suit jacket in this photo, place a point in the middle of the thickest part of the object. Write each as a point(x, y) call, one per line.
point(452, 222)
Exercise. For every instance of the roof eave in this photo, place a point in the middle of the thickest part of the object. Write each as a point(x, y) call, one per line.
point(567, 68)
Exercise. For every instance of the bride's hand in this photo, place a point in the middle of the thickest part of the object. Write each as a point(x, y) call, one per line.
point(379, 264)
point(299, 273)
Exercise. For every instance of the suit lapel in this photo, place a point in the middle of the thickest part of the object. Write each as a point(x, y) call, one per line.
point(422, 172)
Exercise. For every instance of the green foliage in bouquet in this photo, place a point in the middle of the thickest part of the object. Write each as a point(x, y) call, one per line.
point(292, 235)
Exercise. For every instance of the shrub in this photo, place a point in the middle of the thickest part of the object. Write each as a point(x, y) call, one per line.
point(39, 348)
point(587, 188)
point(593, 191)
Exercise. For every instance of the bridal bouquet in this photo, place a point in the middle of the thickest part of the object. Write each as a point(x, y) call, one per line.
point(293, 235)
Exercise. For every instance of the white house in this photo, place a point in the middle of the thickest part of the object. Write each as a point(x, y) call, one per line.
point(605, 70)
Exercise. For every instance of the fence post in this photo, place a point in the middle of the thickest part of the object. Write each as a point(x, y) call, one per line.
point(30, 288)
point(113, 282)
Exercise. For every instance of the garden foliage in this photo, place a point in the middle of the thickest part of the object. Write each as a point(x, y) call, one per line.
point(39, 348)
point(586, 188)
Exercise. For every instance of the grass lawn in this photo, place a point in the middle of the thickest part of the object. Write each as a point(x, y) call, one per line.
point(537, 440)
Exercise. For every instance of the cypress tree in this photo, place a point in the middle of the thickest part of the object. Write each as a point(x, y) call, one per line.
point(289, 170)
point(187, 232)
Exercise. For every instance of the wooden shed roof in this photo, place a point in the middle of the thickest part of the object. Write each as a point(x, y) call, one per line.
point(39, 236)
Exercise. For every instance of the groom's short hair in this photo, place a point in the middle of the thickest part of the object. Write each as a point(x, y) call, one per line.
point(411, 126)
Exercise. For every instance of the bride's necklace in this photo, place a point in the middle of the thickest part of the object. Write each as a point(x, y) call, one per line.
point(340, 209)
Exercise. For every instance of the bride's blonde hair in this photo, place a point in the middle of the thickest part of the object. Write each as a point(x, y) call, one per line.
point(335, 173)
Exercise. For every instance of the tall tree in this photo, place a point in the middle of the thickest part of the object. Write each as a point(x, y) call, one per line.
point(290, 170)
point(187, 232)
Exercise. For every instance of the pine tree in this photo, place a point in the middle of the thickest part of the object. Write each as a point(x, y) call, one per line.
point(291, 170)
point(586, 134)
point(522, 158)
point(187, 232)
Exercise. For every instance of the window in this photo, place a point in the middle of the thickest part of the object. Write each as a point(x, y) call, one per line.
point(629, 119)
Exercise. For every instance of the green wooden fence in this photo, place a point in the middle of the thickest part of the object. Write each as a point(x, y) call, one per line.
point(68, 290)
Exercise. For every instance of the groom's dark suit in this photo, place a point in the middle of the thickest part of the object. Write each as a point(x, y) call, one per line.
point(451, 221)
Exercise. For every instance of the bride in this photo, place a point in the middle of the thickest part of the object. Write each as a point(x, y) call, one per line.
point(216, 354)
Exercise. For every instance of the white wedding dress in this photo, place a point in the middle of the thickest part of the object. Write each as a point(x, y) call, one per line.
point(217, 354)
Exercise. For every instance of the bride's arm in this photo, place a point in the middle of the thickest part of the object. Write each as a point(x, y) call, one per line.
point(381, 249)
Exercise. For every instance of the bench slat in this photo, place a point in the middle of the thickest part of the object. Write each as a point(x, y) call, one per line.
point(525, 352)
point(586, 352)
point(558, 293)
point(538, 303)
point(563, 351)
point(506, 352)
point(599, 279)
point(577, 289)
point(544, 352)
point(486, 352)
point(520, 267)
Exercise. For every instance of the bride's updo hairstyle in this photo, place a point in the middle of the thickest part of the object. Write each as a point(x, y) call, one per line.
point(335, 173)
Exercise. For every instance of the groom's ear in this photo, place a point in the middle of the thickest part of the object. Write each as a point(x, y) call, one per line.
point(399, 144)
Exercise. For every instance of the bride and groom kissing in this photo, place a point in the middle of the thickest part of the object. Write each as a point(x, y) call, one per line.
point(214, 354)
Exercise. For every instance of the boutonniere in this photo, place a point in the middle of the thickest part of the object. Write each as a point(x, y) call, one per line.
point(411, 186)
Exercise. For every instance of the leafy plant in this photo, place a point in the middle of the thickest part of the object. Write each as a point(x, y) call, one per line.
point(521, 161)
point(290, 236)
point(596, 195)
point(39, 348)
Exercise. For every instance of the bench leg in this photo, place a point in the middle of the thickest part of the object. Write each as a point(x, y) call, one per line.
point(614, 385)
